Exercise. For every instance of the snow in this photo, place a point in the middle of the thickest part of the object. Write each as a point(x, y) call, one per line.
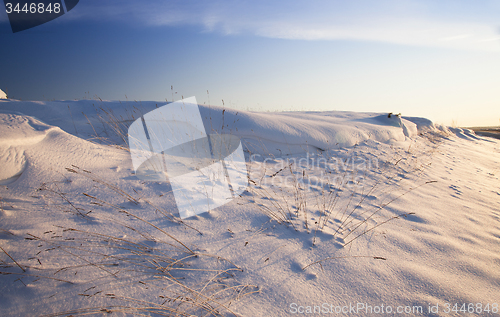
point(421, 201)
point(3, 95)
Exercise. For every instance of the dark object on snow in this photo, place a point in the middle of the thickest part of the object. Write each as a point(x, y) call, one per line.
point(390, 114)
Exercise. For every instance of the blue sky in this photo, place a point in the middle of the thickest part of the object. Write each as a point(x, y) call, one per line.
point(435, 59)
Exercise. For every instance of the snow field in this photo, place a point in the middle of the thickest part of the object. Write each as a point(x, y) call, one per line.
point(342, 208)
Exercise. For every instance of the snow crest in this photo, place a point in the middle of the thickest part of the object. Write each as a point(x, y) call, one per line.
point(16, 133)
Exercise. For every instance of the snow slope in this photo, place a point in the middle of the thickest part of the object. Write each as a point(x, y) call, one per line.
point(346, 214)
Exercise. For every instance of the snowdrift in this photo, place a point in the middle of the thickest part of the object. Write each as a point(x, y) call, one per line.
point(292, 132)
point(343, 209)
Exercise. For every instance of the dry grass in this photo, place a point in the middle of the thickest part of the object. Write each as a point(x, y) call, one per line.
point(117, 259)
point(346, 202)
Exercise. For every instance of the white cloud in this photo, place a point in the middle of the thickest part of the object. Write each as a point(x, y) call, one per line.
point(408, 22)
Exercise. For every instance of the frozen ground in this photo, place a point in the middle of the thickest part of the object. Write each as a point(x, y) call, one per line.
point(346, 214)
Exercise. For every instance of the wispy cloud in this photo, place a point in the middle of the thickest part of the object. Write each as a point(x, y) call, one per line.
point(447, 23)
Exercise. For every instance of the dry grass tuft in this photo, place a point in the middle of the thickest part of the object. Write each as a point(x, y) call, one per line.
point(338, 200)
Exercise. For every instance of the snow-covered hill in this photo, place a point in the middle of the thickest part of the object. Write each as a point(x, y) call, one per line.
point(346, 214)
